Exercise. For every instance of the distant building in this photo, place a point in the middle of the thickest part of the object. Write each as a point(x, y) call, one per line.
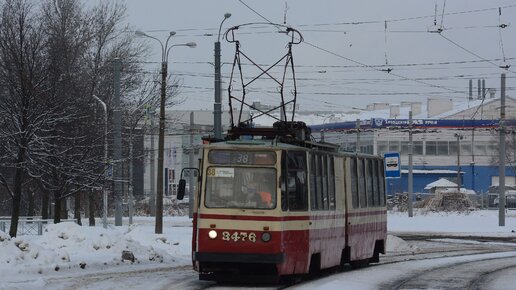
point(435, 142)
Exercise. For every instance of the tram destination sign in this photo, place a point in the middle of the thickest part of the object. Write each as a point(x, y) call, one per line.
point(242, 157)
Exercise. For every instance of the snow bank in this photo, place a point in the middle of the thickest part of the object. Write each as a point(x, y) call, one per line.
point(67, 246)
point(482, 222)
point(395, 244)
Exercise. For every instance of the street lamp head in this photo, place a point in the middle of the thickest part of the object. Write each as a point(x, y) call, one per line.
point(172, 33)
point(140, 33)
point(191, 44)
point(226, 16)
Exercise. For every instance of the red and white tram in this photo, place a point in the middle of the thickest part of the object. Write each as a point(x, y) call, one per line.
point(276, 207)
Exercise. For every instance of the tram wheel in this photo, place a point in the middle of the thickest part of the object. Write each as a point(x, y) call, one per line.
point(359, 263)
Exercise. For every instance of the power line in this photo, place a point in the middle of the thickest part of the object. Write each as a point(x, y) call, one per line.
point(354, 23)
point(357, 62)
point(379, 70)
point(470, 52)
point(256, 12)
point(407, 18)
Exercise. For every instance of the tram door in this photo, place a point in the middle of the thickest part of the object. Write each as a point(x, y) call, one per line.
point(294, 202)
point(294, 191)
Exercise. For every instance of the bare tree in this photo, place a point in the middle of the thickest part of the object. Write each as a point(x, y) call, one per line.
point(22, 101)
point(90, 41)
point(54, 57)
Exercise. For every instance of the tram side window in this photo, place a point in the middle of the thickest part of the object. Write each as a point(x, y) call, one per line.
point(322, 182)
point(296, 190)
point(381, 184)
point(361, 183)
point(313, 197)
point(369, 182)
point(324, 171)
point(354, 182)
point(376, 195)
point(284, 197)
point(331, 182)
point(319, 187)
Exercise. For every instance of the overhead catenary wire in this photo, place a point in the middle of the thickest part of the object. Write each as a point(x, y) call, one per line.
point(353, 23)
point(386, 59)
point(500, 26)
point(442, 15)
point(471, 52)
point(357, 62)
point(418, 66)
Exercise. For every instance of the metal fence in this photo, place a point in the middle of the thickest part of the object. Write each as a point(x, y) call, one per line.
point(28, 225)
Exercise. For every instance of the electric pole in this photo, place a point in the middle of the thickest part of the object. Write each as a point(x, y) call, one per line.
point(459, 137)
point(501, 177)
point(410, 176)
point(152, 195)
point(191, 165)
point(117, 145)
point(217, 106)
point(358, 135)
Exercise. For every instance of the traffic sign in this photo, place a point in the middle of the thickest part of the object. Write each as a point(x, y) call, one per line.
point(392, 164)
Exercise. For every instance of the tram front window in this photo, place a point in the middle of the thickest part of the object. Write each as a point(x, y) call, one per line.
point(241, 187)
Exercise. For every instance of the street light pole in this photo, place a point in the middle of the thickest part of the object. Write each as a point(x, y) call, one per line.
point(104, 192)
point(161, 140)
point(501, 167)
point(217, 106)
point(152, 194)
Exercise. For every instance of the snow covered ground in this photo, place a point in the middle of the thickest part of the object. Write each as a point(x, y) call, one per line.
point(67, 249)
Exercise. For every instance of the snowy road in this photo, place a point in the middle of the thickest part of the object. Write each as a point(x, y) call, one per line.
point(443, 263)
point(473, 274)
point(435, 264)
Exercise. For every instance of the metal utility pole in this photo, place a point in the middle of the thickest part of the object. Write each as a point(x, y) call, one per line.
point(410, 176)
point(161, 149)
point(152, 196)
point(191, 165)
point(131, 177)
point(217, 106)
point(459, 137)
point(473, 159)
point(117, 145)
point(104, 190)
point(358, 136)
point(501, 178)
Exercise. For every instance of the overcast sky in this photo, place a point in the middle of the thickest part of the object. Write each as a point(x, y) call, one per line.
point(346, 43)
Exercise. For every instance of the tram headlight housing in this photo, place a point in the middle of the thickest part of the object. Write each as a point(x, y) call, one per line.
point(212, 234)
point(266, 237)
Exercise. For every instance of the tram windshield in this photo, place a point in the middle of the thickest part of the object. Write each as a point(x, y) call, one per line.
point(241, 187)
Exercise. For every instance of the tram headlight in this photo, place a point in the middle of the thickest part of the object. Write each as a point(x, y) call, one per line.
point(212, 234)
point(266, 237)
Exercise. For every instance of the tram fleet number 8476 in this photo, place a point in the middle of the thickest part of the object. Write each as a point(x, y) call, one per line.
point(268, 210)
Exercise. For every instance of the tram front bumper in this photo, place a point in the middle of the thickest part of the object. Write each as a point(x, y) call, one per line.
point(240, 258)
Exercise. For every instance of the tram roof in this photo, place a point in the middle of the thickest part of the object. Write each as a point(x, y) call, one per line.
point(273, 144)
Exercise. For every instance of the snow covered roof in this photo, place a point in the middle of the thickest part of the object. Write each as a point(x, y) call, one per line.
point(437, 171)
point(462, 190)
point(464, 105)
point(442, 182)
point(330, 117)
